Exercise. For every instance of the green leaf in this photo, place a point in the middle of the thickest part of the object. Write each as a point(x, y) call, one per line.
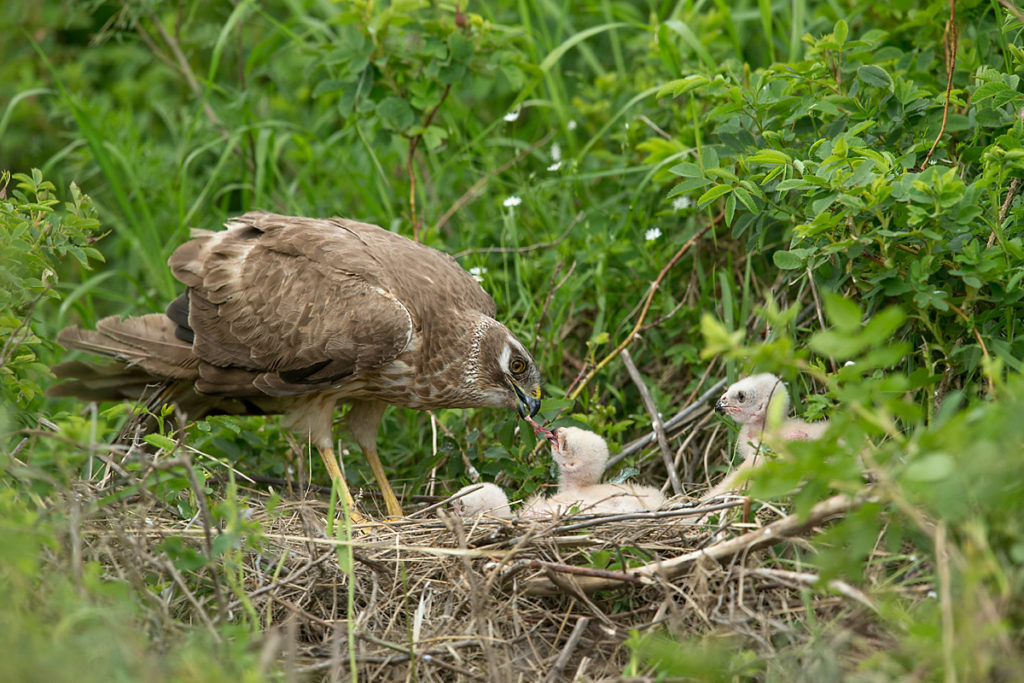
point(793, 259)
point(931, 468)
point(713, 194)
point(770, 156)
point(160, 441)
point(835, 344)
point(395, 113)
point(687, 169)
point(875, 76)
point(842, 312)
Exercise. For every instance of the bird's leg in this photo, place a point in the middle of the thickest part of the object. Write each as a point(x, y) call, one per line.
point(314, 417)
point(364, 419)
point(331, 462)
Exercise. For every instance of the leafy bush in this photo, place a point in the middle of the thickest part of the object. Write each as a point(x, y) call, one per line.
point(846, 202)
point(37, 234)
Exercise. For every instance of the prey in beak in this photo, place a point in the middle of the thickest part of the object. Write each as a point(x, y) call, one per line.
point(540, 430)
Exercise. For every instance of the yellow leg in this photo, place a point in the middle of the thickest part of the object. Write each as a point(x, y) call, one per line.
point(363, 420)
point(390, 499)
point(331, 461)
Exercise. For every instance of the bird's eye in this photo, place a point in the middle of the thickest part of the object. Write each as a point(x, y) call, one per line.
point(741, 397)
point(517, 365)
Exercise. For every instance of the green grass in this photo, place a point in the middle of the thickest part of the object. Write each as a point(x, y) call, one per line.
point(801, 124)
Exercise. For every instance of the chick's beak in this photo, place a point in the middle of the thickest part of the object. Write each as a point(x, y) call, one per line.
point(529, 402)
point(721, 405)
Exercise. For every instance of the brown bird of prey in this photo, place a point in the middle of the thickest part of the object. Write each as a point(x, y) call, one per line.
point(292, 315)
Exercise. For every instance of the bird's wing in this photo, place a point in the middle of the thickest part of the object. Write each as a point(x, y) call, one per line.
point(301, 303)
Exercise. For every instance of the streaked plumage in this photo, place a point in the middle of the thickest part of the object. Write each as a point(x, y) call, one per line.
point(288, 314)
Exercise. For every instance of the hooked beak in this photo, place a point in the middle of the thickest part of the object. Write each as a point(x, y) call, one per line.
point(528, 404)
point(720, 406)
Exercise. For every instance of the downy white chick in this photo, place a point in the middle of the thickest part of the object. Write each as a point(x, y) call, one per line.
point(753, 402)
point(488, 499)
point(581, 457)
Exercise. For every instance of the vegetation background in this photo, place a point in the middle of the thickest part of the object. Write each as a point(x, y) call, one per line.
point(823, 189)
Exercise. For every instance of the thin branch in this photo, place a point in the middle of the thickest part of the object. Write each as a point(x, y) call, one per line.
point(775, 532)
point(414, 142)
point(585, 571)
point(652, 410)
point(676, 420)
point(470, 194)
point(570, 646)
point(1005, 209)
point(13, 341)
point(809, 579)
point(950, 42)
point(574, 394)
point(554, 287)
point(528, 248)
point(1012, 9)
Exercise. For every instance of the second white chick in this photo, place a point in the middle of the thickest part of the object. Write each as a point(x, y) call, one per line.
point(581, 457)
point(487, 499)
point(749, 403)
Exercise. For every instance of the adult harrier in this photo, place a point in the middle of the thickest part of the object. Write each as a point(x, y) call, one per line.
point(291, 315)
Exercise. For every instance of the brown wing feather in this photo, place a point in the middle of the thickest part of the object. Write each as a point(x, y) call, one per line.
point(309, 302)
point(146, 341)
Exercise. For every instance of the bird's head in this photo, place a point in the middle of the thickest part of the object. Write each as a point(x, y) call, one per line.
point(505, 371)
point(747, 400)
point(581, 455)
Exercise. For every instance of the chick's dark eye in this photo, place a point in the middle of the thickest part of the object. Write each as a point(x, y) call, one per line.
point(517, 365)
point(741, 397)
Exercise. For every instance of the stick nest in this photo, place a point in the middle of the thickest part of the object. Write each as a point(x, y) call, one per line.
point(470, 599)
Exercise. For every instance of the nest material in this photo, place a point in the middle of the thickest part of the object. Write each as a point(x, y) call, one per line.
point(450, 598)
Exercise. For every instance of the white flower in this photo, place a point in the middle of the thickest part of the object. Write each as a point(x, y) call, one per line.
point(680, 203)
point(572, 124)
point(478, 273)
point(652, 234)
point(511, 201)
point(512, 115)
point(556, 152)
point(555, 166)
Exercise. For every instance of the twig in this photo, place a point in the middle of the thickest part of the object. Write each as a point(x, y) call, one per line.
point(570, 647)
point(642, 442)
point(1013, 10)
point(439, 503)
point(547, 300)
point(643, 312)
point(809, 579)
point(950, 43)
point(1005, 208)
point(945, 600)
point(662, 514)
point(13, 341)
point(310, 563)
point(470, 194)
point(528, 248)
point(769, 535)
point(652, 410)
point(414, 142)
point(185, 69)
point(585, 571)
